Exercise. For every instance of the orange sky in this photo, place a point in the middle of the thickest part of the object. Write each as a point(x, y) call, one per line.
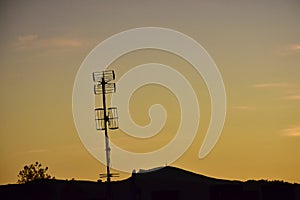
point(254, 44)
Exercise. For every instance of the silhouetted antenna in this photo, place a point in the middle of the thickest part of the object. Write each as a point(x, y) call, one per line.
point(105, 117)
point(111, 175)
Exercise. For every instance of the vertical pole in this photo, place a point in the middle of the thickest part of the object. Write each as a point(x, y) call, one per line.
point(107, 148)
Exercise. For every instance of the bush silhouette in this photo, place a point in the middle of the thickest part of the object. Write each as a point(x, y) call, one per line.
point(33, 172)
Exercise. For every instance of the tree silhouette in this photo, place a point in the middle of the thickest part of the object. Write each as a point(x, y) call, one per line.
point(33, 172)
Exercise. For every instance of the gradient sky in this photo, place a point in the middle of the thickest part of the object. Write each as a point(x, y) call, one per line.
point(255, 44)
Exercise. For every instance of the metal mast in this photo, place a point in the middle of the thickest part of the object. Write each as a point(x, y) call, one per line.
point(105, 117)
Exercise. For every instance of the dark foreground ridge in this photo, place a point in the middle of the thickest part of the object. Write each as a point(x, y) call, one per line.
point(165, 183)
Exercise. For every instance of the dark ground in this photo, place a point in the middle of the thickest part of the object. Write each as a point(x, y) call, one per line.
point(166, 183)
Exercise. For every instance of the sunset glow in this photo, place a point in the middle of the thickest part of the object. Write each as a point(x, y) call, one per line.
point(254, 44)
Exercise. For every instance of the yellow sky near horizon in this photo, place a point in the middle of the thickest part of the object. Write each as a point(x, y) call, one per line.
point(256, 46)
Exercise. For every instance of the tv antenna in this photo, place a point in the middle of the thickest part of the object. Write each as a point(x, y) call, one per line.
point(105, 117)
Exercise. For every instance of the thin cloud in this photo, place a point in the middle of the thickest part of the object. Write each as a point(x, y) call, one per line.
point(26, 38)
point(295, 47)
point(244, 108)
point(288, 50)
point(35, 42)
point(292, 97)
point(274, 85)
point(37, 151)
point(291, 131)
point(289, 91)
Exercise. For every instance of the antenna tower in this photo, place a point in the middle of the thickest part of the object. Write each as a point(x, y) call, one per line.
point(105, 117)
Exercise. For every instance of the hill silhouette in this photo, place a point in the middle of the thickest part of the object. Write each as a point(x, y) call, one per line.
point(165, 183)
